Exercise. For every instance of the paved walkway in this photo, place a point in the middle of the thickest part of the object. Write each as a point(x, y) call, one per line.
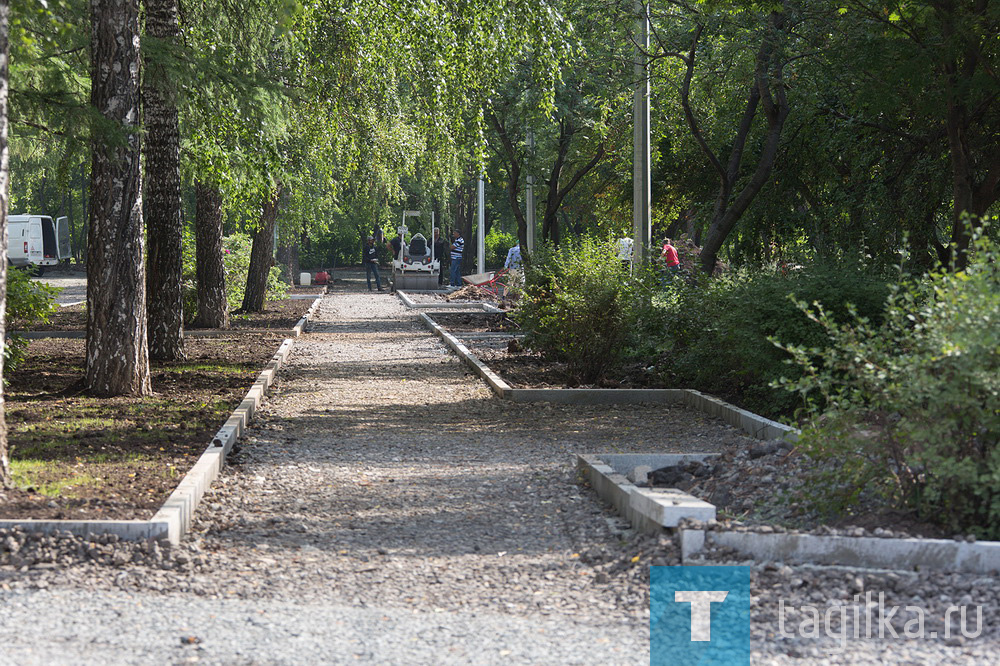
point(386, 508)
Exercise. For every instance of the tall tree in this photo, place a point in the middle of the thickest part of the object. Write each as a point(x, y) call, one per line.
point(165, 311)
point(764, 96)
point(4, 185)
point(262, 254)
point(117, 352)
point(948, 49)
point(210, 270)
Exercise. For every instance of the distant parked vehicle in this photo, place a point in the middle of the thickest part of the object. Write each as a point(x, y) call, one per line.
point(35, 240)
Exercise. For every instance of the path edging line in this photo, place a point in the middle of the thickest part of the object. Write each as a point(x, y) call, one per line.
point(752, 424)
point(404, 297)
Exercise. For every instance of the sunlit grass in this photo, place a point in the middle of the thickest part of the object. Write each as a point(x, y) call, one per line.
point(29, 474)
point(223, 368)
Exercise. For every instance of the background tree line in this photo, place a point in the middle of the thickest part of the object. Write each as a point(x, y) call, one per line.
point(782, 130)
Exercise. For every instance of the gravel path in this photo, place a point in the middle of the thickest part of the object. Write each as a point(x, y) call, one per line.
point(386, 508)
point(72, 283)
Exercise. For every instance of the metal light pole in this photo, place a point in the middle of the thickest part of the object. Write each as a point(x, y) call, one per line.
point(481, 228)
point(641, 199)
point(529, 202)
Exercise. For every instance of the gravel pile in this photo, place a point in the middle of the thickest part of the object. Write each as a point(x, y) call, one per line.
point(774, 486)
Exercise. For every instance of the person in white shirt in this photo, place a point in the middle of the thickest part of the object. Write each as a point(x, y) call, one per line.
point(625, 251)
point(513, 258)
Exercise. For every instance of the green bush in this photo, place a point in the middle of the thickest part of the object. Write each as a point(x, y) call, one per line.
point(497, 244)
point(717, 330)
point(909, 409)
point(28, 303)
point(236, 258)
point(580, 306)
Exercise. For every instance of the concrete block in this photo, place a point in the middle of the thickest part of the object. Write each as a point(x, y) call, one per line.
point(127, 530)
point(404, 296)
point(669, 506)
point(691, 542)
point(869, 552)
point(648, 509)
point(640, 475)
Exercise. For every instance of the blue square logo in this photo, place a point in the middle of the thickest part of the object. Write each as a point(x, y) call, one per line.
point(699, 616)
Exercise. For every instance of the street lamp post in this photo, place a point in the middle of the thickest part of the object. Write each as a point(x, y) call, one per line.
point(641, 199)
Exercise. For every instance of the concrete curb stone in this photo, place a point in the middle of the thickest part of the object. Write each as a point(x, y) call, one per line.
point(413, 305)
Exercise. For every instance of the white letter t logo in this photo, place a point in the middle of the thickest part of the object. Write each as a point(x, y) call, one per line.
point(701, 610)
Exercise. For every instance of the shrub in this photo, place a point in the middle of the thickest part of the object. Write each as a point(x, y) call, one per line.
point(910, 408)
point(28, 302)
point(497, 244)
point(717, 330)
point(580, 306)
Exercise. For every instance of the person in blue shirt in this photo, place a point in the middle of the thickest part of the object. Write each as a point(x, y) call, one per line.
point(457, 249)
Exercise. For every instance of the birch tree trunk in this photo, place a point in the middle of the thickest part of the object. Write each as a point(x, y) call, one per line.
point(4, 183)
point(164, 225)
point(213, 307)
point(261, 255)
point(117, 355)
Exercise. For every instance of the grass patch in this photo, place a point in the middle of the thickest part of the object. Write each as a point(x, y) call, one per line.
point(35, 476)
point(76, 456)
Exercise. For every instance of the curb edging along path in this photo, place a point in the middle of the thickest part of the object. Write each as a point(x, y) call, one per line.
point(404, 297)
point(752, 424)
point(653, 512)
point(173, 519)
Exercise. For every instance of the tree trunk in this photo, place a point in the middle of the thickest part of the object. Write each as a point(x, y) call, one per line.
point(4, 184)
point(466, 214)
point(210, 269)
point(261, 255)
point(288, 259)
point(80, 244)
point(767, 91)
point(164, 224)
point(117, 355)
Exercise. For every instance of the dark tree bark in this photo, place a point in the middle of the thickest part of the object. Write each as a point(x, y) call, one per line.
point(4, 185)
point(513, 157)
point(465, 196)
point(210, 270)
point(767, 91)
point(117, 355)
point(556, 195)
point(261, 255)
point(164, 224)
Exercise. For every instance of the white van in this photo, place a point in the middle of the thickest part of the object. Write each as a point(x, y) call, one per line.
point(35, 240)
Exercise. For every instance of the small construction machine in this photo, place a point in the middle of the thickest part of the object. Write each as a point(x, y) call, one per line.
point(415, 266)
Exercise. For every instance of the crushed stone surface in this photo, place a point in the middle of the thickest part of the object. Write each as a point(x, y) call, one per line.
point(386, 508)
